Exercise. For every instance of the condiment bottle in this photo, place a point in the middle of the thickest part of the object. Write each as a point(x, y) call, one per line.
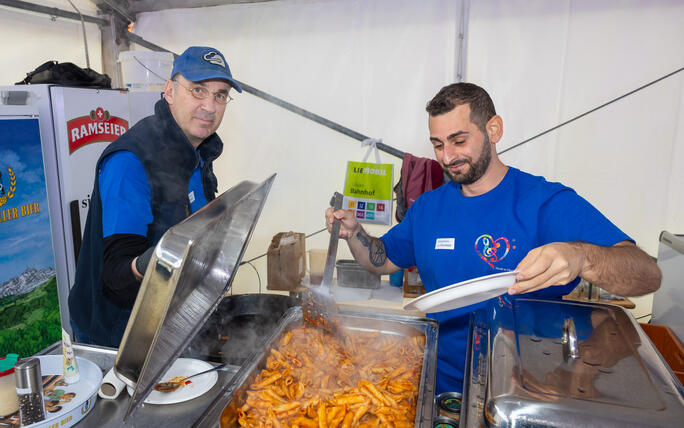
point(71, 374)
point(29, 391)
point(8, 393)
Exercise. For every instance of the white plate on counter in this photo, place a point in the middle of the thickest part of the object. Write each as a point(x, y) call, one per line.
point(197, 386)
point(463, 293)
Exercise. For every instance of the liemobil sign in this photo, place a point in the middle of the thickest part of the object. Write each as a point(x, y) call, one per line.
point(98, 126)
point(368, 192)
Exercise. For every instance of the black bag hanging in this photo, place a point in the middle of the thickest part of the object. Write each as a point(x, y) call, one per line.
point(67, 74)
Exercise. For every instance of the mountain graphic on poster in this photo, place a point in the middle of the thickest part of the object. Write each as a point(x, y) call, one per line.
point(26, 282)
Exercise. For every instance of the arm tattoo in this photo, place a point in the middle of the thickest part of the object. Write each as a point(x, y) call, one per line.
point(376, 249)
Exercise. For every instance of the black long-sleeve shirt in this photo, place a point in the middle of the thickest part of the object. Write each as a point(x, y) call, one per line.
point(119, 283)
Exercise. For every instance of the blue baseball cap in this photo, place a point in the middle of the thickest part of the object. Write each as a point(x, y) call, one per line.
point(199, 63)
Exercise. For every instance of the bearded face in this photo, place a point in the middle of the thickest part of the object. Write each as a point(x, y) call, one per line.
point(471, 170)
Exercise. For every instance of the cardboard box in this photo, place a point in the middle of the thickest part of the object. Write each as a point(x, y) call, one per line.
point(286, 261)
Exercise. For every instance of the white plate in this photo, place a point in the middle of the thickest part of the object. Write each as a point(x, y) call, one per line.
point(197, 386)
point(463, 293)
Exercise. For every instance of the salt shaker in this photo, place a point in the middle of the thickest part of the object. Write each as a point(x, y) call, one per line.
point(29, 391)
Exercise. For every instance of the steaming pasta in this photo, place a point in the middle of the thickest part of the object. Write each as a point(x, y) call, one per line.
point(314, 379)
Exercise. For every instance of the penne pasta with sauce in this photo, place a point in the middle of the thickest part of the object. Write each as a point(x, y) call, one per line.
point(352, 380)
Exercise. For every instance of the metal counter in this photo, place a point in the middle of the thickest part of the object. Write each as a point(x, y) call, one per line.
point(110, 413)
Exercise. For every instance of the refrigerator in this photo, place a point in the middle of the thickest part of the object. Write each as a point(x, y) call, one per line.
point(73, 126)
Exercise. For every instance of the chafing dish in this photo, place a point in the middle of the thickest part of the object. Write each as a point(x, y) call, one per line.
point(564, 364)
point(233, 394)
point(238, 327)
point(190, 271)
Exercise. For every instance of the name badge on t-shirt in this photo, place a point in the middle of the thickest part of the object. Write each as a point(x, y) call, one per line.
point(444, 244)
point(191, 196)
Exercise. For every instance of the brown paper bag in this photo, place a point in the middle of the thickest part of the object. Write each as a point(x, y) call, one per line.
point(286, 261)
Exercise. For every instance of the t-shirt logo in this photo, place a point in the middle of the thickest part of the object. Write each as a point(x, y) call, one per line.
point(492, 250)
point(215, 59)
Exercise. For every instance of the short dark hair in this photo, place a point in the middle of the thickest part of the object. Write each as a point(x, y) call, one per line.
point(449, 97)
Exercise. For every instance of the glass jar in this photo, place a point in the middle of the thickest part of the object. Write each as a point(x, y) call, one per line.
point(8, 393)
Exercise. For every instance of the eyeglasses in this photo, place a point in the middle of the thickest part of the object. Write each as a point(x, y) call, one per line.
point(201, 93)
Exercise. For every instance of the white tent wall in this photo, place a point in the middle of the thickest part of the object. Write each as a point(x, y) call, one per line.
point(546, 62)
point(30, 39)
point(368, 65)
point(372, 65)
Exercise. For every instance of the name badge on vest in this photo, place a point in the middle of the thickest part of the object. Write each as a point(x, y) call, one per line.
point(444, 244)
point(191, 196)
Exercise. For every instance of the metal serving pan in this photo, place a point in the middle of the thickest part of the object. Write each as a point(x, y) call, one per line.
point(238, 327)
point(190, 271)
point(565, 364)
point(233, 393)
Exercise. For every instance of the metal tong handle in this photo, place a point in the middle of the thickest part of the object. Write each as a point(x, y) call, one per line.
point(569, 340)
point(219, 367)
point(336, 203)
point(171, 386)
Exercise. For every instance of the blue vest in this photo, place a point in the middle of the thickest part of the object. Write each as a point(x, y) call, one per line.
point(169, 160)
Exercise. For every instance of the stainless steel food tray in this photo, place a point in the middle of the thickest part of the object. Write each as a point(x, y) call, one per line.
point(564, 364)
point(382, 323)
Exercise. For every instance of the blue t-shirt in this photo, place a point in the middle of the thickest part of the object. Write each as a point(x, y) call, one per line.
point(125, 194)
point(452, 238)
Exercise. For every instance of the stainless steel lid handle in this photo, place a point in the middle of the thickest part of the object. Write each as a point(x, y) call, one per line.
point(569, 340)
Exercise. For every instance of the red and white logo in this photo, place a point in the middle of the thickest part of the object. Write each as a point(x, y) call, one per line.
point(98, 126)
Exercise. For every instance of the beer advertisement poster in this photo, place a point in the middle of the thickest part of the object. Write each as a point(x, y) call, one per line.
point(29, 304)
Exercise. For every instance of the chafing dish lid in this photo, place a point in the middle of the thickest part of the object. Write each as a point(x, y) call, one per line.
point(551, 360)
point(190, 271)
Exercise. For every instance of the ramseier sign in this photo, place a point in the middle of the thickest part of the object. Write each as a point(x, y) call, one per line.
point(98, 126)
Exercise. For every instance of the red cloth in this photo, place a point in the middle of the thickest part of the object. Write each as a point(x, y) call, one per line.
point(419, 175)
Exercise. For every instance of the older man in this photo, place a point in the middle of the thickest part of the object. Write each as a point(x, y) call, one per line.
point(149, 179)
point(494, 218)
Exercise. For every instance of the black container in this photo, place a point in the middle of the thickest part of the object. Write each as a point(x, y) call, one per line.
point(239, 326)
point(448, 404)
point(444, 422)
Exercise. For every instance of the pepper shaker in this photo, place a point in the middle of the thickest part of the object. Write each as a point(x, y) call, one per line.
point(29, 391)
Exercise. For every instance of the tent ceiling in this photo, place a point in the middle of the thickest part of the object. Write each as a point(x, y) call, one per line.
point(137, 6)
point(127, 9)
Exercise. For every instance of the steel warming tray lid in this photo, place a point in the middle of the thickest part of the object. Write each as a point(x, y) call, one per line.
point(566, 364)
point(190, 272)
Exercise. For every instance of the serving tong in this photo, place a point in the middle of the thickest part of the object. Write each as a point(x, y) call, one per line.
point(318, 307)
point(173, 385)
